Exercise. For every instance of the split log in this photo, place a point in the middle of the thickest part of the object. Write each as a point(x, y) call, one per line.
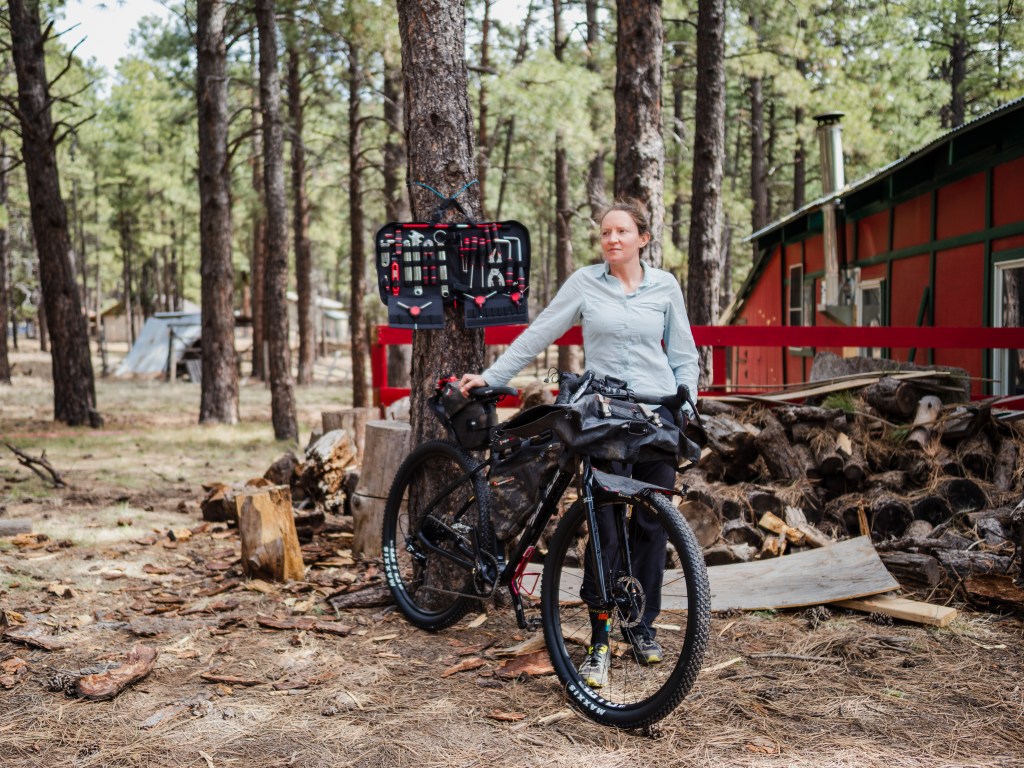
point(917, 571)
point(327, 462)
point(371, 597)
point(107, 685)
point(782, 461)
point(892, 397)
point(778, 526)
point(353, 421)
point(1004, 475)
point(14, 526)
point(795, 518)
point(387, 445)
point(266, 527)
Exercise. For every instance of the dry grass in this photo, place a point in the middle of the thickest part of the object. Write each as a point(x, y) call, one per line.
point(864, 694)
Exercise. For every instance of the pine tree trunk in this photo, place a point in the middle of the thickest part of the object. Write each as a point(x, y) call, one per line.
point(441, 154)
point(396, 203)
point(568, 358)
point(5, 241)
point(357, 237)
point(758, 167)
point(483, 143)
point(639, 145)
point(704, 277)
point(300, 203)
point(597, 187)
point(74, 391)
point(282, 390)
point(258, 253)
point(219, 384)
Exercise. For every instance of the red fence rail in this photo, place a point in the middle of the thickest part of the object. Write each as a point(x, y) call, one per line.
point(722, 337)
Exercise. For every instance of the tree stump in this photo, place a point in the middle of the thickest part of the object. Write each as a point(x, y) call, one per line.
point(266, 527)
point(353, 421)
point(387, 445)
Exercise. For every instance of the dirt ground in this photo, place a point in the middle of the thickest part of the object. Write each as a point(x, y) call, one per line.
point(126, 559)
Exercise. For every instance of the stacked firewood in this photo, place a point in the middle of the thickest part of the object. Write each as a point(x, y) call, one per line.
point(935, 485)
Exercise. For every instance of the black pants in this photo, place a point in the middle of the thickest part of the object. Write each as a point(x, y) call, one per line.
point(648, 539)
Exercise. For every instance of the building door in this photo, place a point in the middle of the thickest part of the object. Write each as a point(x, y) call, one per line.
point(1008, 312)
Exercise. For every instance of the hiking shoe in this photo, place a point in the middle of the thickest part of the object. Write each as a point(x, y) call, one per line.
point(645, 648)
point(594, 669)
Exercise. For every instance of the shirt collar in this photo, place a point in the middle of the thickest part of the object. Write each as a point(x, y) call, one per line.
point(607, 272)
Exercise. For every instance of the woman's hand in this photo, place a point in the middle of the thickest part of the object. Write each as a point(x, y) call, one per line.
point(471, 381)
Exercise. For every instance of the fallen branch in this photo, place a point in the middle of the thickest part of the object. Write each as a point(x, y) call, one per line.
point(109, 684)
point(30, 461)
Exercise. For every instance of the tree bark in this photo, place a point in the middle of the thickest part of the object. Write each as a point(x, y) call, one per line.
point(441, 153)
point(300, 218)
point(396, 203)
point(567, 355)
point(5, 310)
point(704, 270)
point(282, 390)
point(258, 253)
point(758, 167)
point(639, 145)
point(74, 389)
point(219, 387)
point(357, 236)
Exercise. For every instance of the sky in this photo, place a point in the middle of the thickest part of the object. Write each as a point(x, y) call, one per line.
point(106, 27)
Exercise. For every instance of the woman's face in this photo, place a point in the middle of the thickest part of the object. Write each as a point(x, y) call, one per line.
point(621, 241)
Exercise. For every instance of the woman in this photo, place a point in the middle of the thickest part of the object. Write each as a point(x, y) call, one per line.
point(634, 328)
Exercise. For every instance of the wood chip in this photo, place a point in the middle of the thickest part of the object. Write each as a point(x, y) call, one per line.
point(213, 677)
point(107, 685)
point(530, 665)
point(477, 621)
point(505, 717)
point(465, 665)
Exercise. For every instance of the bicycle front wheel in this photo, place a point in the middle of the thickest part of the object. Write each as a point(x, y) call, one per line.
point(634, 692)
point(435, 522)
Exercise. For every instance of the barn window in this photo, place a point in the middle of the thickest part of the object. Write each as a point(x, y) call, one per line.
point(870, 310)
point(796, 295)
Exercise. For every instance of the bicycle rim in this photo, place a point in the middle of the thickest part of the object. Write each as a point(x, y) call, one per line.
point(432, 591)
point(635, 694)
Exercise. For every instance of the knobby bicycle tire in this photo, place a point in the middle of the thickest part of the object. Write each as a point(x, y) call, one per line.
point(430, 590)
point(635, 694)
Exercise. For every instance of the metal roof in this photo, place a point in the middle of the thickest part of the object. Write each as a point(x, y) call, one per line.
point(889, 169)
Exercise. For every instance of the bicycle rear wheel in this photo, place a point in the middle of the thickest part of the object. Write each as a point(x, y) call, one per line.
point(435, 517)
point(635, 694)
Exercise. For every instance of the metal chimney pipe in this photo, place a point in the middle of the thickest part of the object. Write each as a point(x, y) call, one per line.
point(833, 178)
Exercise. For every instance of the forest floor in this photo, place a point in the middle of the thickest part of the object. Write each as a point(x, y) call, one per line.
point(126, 559)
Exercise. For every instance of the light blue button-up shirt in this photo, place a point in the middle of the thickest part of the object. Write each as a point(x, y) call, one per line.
point(643, 337)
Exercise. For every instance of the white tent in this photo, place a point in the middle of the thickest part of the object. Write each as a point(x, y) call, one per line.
point(164, 334)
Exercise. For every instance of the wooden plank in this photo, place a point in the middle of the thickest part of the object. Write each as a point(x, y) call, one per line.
point(844, 570)
point(904, 609)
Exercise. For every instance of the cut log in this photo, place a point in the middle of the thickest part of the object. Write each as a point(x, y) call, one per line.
point(327, 462)
point(742, 532)
point(266, 527)
point(999, 592)
point(806, 458)
point(825, 452)
point(282, 471)
point(889, 516)
point(14, 526)
point(894, 480)
point(903, 609)
point(107, 685)
point(371, 597)
point(387, 445)
point(961, 564)
point(776, 525)
point(782, 461)
point(1004, 476)
point(919, 529)
point(932, 508)
point(703, 521)
point(892, 398)
point(795, 518)
point(928, 410)
point(353, 421)
point(726, 554)
point(796, 414)
point(976, 456)
point(964, 495)
point(914, 570)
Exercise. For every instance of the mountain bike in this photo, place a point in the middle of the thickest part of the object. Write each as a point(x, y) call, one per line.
point(442, 556)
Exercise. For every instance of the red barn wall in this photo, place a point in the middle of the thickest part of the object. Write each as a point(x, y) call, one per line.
point(762, 365)
point(959, 288)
